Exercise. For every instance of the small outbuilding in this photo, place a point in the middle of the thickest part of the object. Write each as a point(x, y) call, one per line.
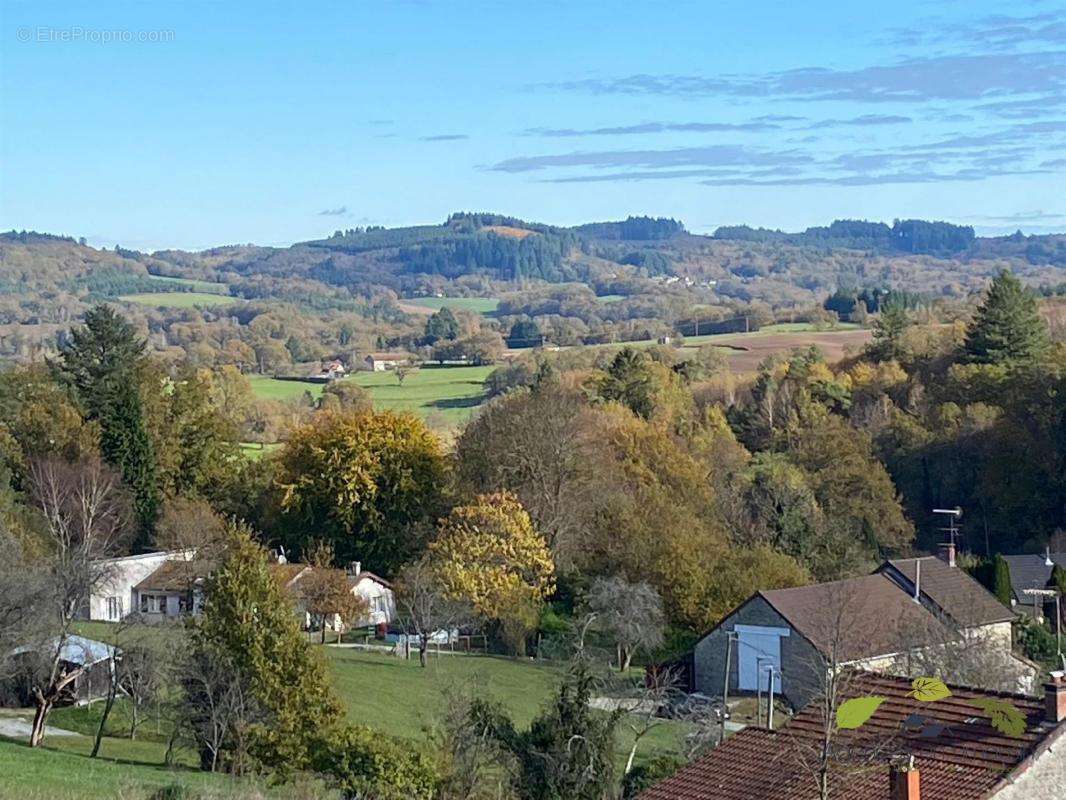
point(379, 362)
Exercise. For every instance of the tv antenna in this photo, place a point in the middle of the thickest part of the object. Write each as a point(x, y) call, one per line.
point(953, 515)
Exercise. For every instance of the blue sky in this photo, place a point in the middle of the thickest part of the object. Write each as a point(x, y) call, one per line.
point(189, 124)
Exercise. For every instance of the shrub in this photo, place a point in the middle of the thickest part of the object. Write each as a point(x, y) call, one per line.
point(364, 764)
point(1037, 641)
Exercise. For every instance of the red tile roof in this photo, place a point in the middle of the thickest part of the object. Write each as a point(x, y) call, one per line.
point(957, 752)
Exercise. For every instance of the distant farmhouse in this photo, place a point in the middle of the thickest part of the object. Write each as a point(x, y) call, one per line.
point(170, 585)
point(379, 362)
point(890, 621)
point(907, 750)
point(334, 370)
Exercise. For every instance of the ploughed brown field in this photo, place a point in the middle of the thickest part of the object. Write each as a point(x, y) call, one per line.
point(746, 351)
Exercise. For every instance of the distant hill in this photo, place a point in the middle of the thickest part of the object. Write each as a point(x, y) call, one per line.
point(741, 262)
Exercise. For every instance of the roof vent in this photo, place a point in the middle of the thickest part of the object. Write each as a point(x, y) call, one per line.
point(1047, 558)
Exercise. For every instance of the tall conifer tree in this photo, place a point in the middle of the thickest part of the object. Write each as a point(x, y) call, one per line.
point(102, 362)
point(1007, 328)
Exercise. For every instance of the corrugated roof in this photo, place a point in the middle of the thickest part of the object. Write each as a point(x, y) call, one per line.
point(951, 589)
point(856, 618)
point(957, 752)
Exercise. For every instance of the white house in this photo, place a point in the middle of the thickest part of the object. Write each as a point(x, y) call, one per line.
point(377, 592)
point(379, 362)
point(115, 597)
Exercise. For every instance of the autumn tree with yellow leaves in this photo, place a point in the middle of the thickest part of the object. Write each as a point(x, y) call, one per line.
point(489, 554)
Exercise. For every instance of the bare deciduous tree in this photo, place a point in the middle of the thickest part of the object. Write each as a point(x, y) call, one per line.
point(217, 710)
point(22, 590)
point(844, 627)
point(422, 606)
point(631, 614)
point(644, 705)
point(86, 516)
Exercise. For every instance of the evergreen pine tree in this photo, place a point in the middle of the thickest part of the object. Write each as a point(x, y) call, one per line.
point(103, 362)
point(248, 618)
point(1001, 586)
point(889, 328)
point(1007, 328)
point(1058, 579)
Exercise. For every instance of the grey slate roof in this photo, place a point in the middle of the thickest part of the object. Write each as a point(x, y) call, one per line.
point(1031, 572)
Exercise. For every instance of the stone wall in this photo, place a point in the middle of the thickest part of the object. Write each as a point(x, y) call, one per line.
point(799, 659)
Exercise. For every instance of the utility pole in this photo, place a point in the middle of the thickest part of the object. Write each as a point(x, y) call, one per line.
point(770, 699)
point(730, 637)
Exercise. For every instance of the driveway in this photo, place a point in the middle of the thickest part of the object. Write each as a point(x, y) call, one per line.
point(19, 728)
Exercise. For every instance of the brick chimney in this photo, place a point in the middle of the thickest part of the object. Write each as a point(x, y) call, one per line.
point(947, 553)
point(1055, 698)
point(905, 782)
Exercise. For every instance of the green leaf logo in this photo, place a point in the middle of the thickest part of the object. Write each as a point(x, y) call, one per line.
point(1004, 716)
point(929, 689)
point(854, 713)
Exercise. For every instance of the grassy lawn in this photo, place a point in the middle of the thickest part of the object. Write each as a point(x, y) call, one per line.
point(806, 327)
point(51, 774)
point(449, 394)
point(193, 284)
point(256, 450)
point(479, 305)
point(267, 388)
point(396, 697)
point(400, 698)
point(179, 299)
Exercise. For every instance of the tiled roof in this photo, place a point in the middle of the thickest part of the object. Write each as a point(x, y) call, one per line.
point(179, 575)
point(1031, 572)
point(354, 579)
point(285, 574)
point(951, 589)
point(876, 617)
point(176, 575)
point(957, 752)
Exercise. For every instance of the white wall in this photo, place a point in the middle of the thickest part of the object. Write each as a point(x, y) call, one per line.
point(122, 575)
point(369, 589)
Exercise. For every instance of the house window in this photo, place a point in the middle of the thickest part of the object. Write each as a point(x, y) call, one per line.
point(153, 603)
point(114, 608)
point(758, 650)
point(377, 604)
